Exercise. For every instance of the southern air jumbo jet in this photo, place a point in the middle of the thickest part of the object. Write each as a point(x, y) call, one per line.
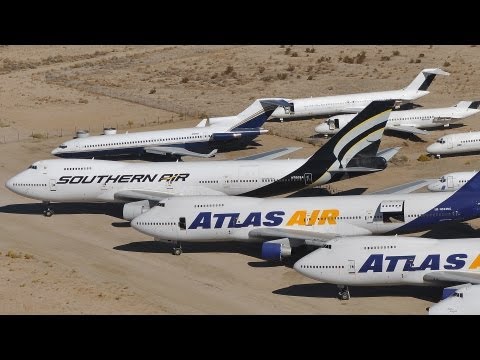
point(352, 152)
point(353, 103)
point(202, 140)
point(291, 222)
point(410, 121)
point(393, 260)
point(464, 301)
point(459, 143)
point(451, 181)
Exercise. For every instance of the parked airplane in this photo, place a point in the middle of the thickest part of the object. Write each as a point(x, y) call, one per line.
point(291, 222)
point(352, 152)
point(410, 121)
point(353, 103)
point(393, 260)
point(464, 301)
point(202, 140)
point(458, 143)
point(451, 181)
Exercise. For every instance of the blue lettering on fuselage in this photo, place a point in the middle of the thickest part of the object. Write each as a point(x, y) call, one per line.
point(374, 263)
point(204, 220)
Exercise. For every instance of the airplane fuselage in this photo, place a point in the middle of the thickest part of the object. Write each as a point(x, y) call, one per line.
point(456, 144)
point(389, 260)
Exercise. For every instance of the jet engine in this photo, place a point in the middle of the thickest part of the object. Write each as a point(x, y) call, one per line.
point(333, 124)
point(374, 162)
point(275, 250)
point(134, 209)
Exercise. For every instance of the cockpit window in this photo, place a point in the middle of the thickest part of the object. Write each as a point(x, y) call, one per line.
point(161, 204)
point(33, 167)
point(442, 179)
point(441, 141)
point(63, 146)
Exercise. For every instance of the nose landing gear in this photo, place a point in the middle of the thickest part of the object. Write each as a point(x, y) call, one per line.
point(48, 210)
point(343, 292)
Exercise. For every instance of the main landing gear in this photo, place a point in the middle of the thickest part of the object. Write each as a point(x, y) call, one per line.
point(343, 293)
point(177, 249)
point(48, 211)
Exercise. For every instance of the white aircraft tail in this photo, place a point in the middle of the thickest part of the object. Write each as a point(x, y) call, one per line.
point(468, 105)
point(256, 114)
point(424, 79)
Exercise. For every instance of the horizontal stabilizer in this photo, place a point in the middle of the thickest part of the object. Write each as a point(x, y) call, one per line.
point(269, 155)
point(388, 153)
point(405, 188)
point(407, 129)
point(172, 150)
point(453, 276)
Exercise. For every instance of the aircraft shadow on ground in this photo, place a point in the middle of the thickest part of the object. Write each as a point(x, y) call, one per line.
point(217, 247)
point(321, 290)
point(111, 209)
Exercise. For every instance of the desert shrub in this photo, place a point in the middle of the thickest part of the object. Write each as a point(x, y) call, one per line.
point(282, 46)
point(360, 58)
point(290, 67)
point(83, 101)
point(395, 53)
point(38, 136)
point(287, 51)
point(294, 54)
point(385, 58)
point(267, 78)
point(130, 123)
point(282, 76)
point(421, 55)
point(184, 80)
point(228, 70)
point(310, 77)
point(214, 76)
point(418, 61)
point(411, 61)
point(399, 159)
point(348, 60)
point(261, 69)
point(424, 157)
point(12, 254)
point(446, 64)
point(152, 91)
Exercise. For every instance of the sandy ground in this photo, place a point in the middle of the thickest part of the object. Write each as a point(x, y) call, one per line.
point(86, 260)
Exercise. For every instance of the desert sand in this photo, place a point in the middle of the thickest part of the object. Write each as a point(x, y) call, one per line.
point(87, 260)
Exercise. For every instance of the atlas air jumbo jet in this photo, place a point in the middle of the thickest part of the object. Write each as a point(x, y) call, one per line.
point(284, 223)
point(410, 121)
point(453, 144)
point(465, 300)
point(393, 260)
point(352, 152)
point(353, 103)
point(451, 181)
point(203, 140)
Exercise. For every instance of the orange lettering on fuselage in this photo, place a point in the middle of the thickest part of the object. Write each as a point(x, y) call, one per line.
point(475, 263)
point(299, 217)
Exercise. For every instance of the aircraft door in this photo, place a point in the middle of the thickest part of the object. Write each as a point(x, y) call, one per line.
point(182, 224)
point(53, 185)
point(450, 181)
point(226, 182)
point(351, 266)
point(308, 178)
point(369, 216)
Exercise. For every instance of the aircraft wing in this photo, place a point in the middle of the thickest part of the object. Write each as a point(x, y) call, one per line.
point(308, 237)
point(269, 155)
point(453, 276)
point(133, 195)
point(405, 188)
point(163, 150)
point(407, 129)
point(387, 154)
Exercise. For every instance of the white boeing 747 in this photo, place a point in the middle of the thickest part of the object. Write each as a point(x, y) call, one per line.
point(451, 181)
point(352, 152)
point(202, 140)
point(454, 144)
point(353, 103)
point(393, 260)
point(410, 121)
point(285, 223)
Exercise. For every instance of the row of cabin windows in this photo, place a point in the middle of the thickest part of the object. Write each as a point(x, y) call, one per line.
point(81, 168)
point(208, 181)
point(339, 103)
point(322, 266)
point(469, 141)
point(415, 117)
point(20, 184)
point(157, 223)
point(146, 141)
point(211, 205)
point(380, 247)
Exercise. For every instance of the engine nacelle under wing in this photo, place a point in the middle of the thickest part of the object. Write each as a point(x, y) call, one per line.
point(134, 209)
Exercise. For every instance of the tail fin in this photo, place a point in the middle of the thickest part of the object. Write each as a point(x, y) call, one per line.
point(361, 136)
point(424, 79)
point(468, 105)
point(256, 114)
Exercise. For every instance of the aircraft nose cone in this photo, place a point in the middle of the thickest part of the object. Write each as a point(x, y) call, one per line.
point(9, 184)
point(431, 148)
point(54, 151)
point(143, 224)
point(298, 266)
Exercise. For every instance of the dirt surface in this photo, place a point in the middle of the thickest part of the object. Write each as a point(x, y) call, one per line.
point(86, 260)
